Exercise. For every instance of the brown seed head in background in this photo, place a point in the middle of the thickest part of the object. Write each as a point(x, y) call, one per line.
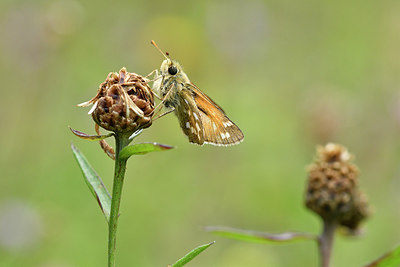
point(332, 190)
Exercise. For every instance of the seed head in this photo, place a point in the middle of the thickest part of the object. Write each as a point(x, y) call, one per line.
point(124, 103)
point(332, 190)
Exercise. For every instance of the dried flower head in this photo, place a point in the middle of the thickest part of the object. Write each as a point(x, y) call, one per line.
point(332, 190)
point(124, 103)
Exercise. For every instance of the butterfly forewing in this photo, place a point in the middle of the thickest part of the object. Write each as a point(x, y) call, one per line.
point(189, 117)
point(218, 128)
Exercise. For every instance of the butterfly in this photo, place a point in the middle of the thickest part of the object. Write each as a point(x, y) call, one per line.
point(200, 118)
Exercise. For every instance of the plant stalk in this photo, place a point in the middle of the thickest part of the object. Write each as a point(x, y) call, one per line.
point(121, 141)
point(326, 241)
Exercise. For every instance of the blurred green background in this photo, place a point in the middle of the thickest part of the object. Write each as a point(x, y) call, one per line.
point(291, 74)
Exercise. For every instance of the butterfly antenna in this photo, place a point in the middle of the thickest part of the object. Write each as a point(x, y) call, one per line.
point(164, 54)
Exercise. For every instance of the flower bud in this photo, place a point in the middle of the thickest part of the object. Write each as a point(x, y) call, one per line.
point(124, 103)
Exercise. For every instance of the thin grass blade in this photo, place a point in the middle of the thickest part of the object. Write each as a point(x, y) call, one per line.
point(191, 255)
point(94, 183)
point(258, 237)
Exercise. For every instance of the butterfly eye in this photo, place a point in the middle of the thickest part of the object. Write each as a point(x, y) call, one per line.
point(172, 70)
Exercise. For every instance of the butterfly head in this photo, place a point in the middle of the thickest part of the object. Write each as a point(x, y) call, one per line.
point(170, 68)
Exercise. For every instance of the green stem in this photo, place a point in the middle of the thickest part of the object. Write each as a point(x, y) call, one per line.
point(121, 141)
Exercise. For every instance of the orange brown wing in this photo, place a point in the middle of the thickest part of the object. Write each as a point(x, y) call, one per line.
point(189, 117)
point(218, 128)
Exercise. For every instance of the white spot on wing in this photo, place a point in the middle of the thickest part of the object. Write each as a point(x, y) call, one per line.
point(187, 125)
point(214, 126)
point(186, 101)
point(195, 115)
point(197, 126)
point(223, 136)
point(227, 135)
point(227, 124)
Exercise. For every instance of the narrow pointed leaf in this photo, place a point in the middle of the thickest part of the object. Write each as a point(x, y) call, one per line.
point(258, 237)
point(390, 259)
point(94, 183)
point(90, 137)
point(140, 149)
point(191, 255)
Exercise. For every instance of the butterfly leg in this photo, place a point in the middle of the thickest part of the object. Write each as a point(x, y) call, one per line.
point(159, 97)
point(156, 91)
point(160, 105)
point(157, 82)
point(165, 113)
point(151, 73)
point(154, 80)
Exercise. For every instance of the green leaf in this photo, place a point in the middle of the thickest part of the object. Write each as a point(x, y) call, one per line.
point(258, 237)
point(140, 149)
point(90, 137)
point(390, 259)
point(191, 255)
point(94, 183)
